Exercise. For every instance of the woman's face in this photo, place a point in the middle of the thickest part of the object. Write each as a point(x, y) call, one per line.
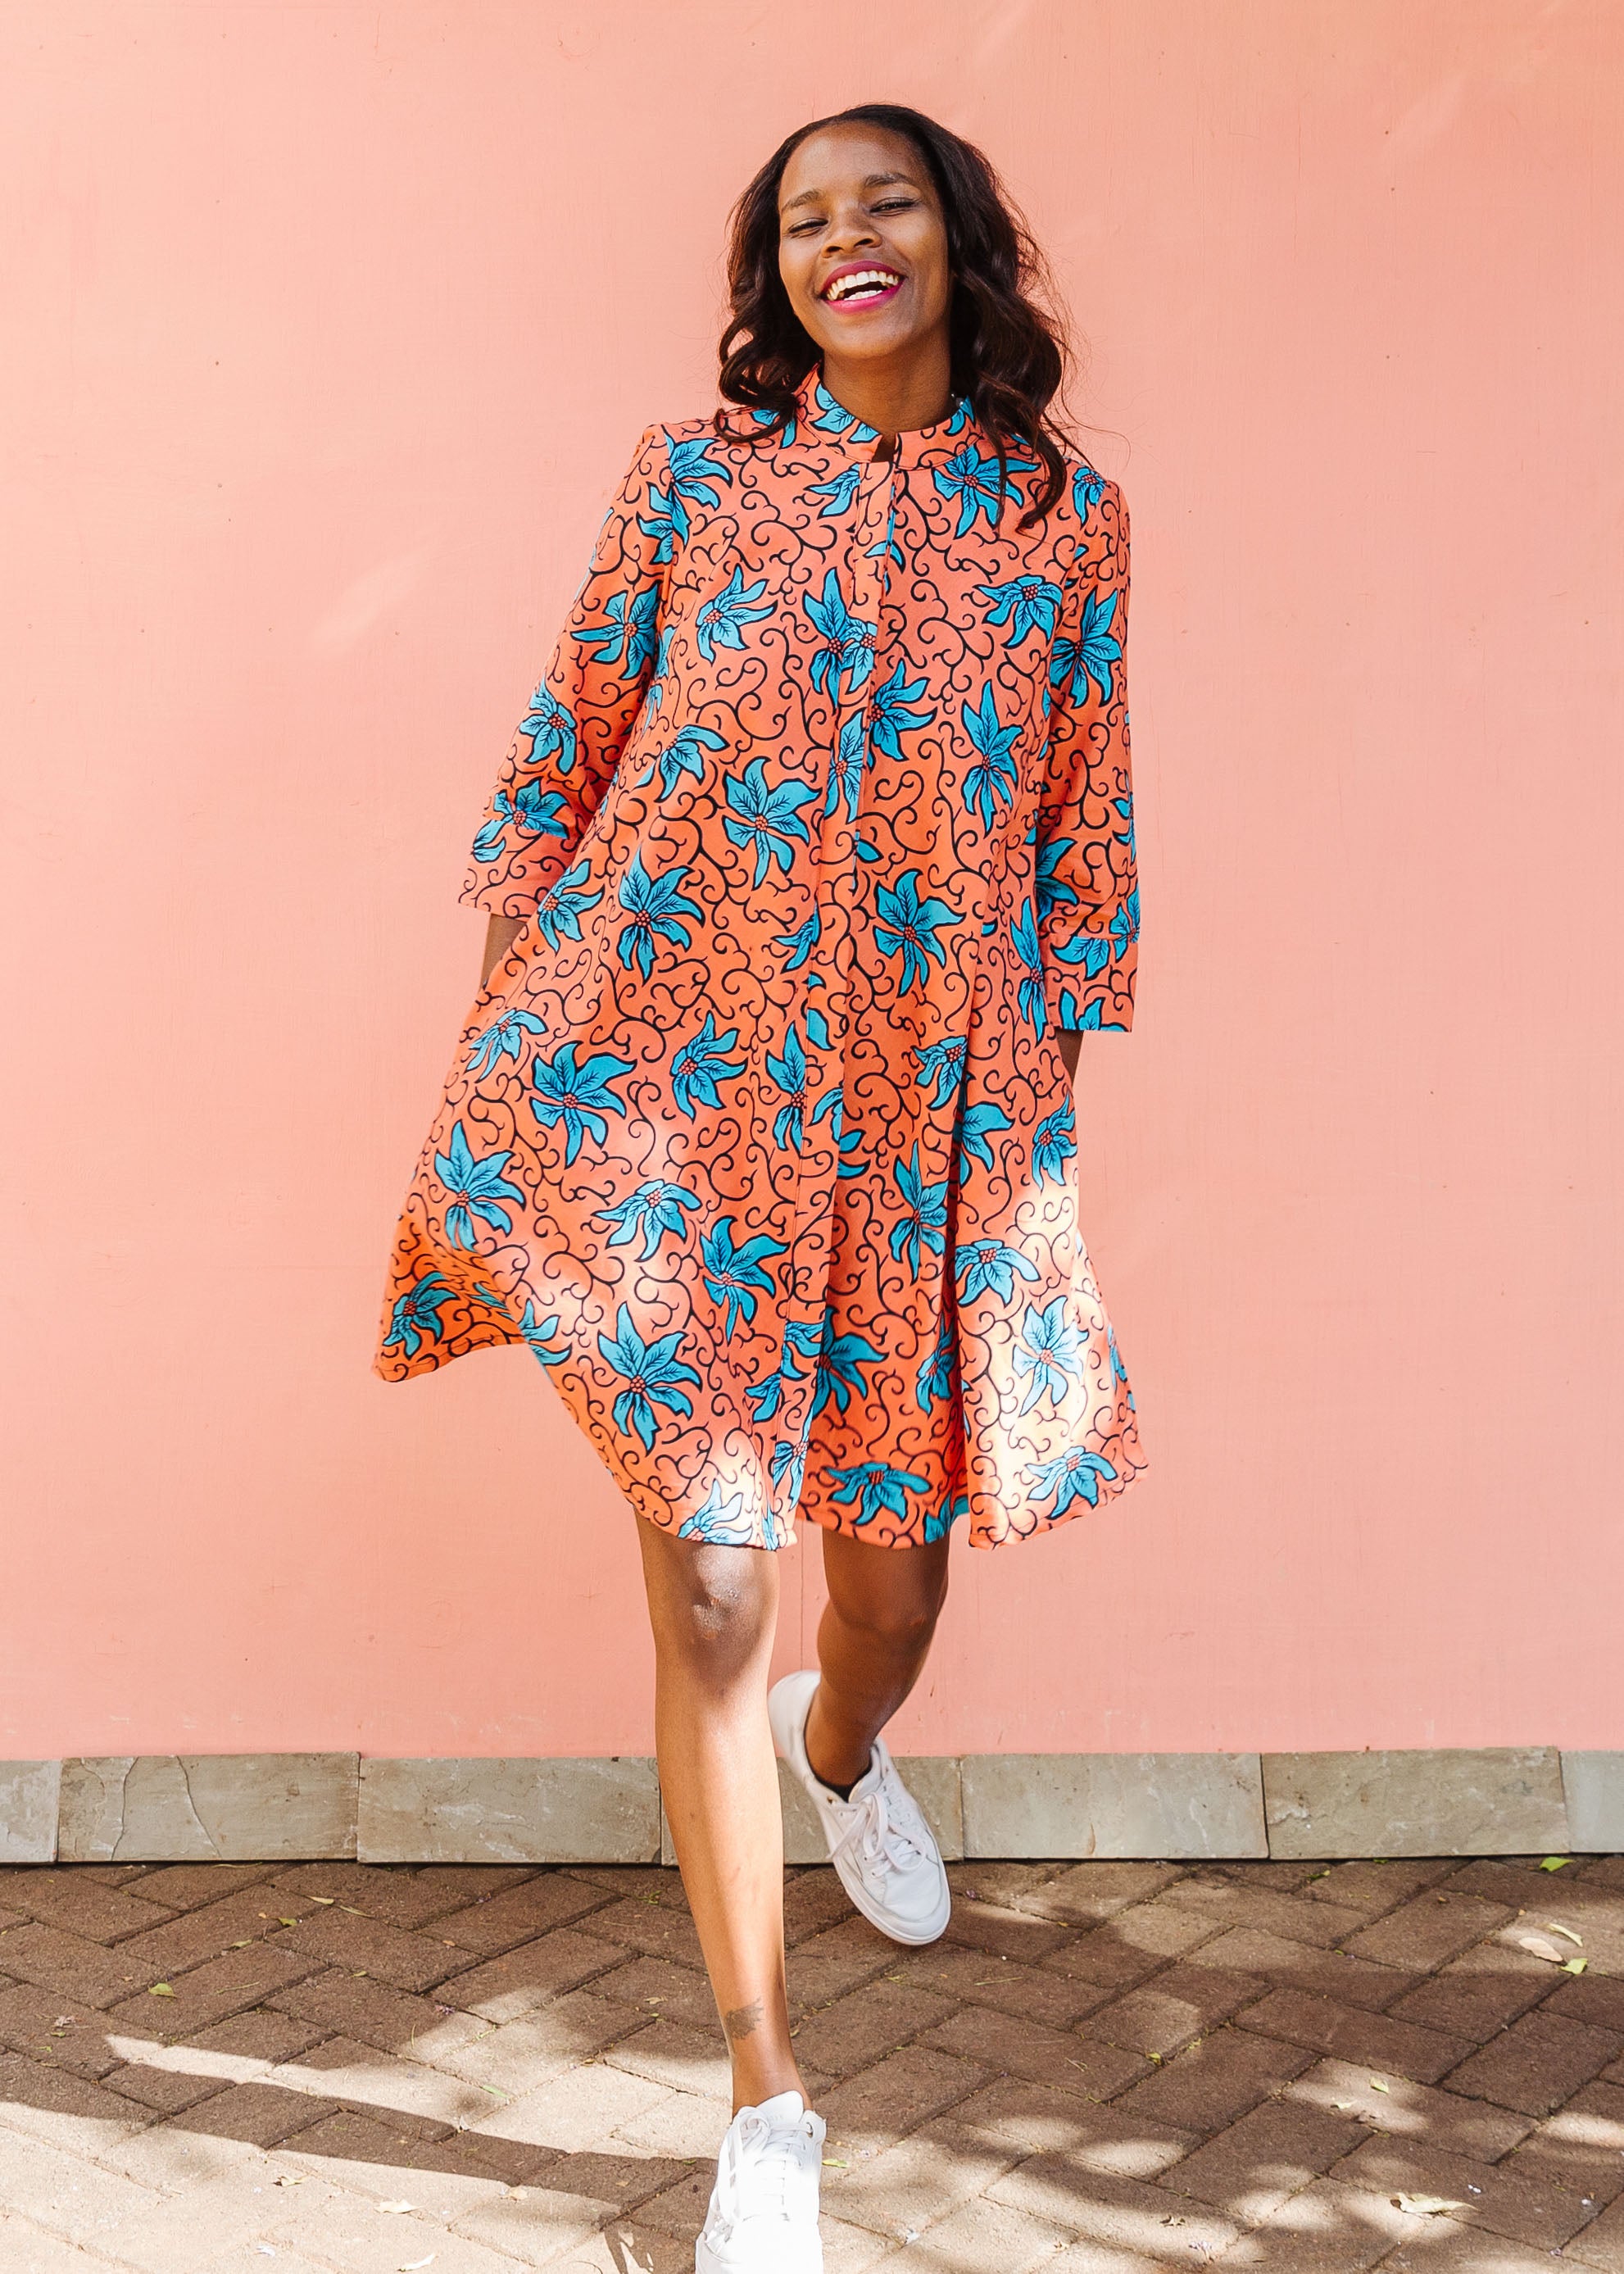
point(862, 245)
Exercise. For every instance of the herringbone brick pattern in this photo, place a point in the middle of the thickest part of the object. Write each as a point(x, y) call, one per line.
point(1104, 2068)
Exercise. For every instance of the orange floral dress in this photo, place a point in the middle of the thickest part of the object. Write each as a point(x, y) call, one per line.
point(820, 823)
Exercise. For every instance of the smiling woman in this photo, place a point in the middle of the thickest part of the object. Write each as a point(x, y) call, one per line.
point(811, 863)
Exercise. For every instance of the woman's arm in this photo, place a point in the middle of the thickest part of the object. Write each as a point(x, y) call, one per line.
point(1070, 1039)
point(501, 931)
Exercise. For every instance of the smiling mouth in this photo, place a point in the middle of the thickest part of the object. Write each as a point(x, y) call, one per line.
point(861, 287)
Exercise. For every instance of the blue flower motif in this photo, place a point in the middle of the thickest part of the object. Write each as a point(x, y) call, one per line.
point(503, 1038)
point(984, 1263)
point(1085, 948)
point(694, 473)
point(845, 1141)
point(1081, 1019)
point(1053, 1141)
point(847, 763)
point(976, 1124)
point(1091, 655)
point(839, 489)
point(1050, 1352)
point(943, 1063)
point(579, 1096)
point(927, 1214)
point(723, 1519)
point(1125, 923)
point(539, 1334)
point(416, 1314)
point(735, 1275)
point(655, 904)
point(908, 926)
point(786, 432)
point(721, 622)
point(552, 729)
point(652, 1370)
point(685, 754)
point(1053, 892)
point(789, 1468)
point(534, 811)
point(877, 1489)
point(667, 523)
point(790, 1073)
point(992, 782)
point(629, 631)
point(973, 480)
point(558, 910)
point(935, 1378)
point(818, 1027)
point(1030, 604)
point(890, 718)
point(1024, 933)
point(801, 1339)
point(937, 1526)
point(477, 1189)
point(835, 418)
point(1119, 1372)
point(1087, 488)
point(768, 818)
point(839, 1372)
point(700, 1064)
point(1070, 1476)
point(801, 942)
point(847, 641)
point(654, 1208)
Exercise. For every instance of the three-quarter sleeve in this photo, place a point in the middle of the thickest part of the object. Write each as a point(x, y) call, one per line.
point(1087, 880)
point(569, 743)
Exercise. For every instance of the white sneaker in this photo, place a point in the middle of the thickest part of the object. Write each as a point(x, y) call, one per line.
point(879, 1843)
point(762, 2218)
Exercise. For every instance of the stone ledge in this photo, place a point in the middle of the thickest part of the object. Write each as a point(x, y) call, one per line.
point(207, 1808)
point(277, 1807)
point(1505, 1801)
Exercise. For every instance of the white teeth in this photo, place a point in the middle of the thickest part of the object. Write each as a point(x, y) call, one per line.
point(861, 280)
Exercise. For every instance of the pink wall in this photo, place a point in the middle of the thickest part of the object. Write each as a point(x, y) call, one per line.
point(334, 324)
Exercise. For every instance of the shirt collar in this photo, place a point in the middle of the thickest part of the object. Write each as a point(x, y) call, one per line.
point(820, 413)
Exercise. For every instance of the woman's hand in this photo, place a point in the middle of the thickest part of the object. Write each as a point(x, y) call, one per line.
point(1070, 1043)
point(500, 935)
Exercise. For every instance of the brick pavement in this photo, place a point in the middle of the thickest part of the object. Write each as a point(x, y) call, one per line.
point(1104, 2068)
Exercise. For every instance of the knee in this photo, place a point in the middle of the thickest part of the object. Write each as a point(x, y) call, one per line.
point(898, 1625)
point(718, 1621)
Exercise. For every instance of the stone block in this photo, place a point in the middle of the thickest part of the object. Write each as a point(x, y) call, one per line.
point(1594, 1784)
point(207, 1808)
point(509, 1811)
point(28, 1791)
point(1171, 1805)
point(1499, 1802)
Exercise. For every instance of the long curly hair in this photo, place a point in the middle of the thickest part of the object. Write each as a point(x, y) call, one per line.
point(1011, 352)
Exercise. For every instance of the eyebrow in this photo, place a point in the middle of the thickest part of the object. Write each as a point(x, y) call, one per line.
point(869, 182)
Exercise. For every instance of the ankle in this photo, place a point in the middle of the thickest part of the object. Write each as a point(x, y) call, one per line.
point(839, 1769)
point(758, 2081)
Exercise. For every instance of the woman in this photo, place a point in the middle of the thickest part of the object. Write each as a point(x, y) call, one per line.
point(810, 865)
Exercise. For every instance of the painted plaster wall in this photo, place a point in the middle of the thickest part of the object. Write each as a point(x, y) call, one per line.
point(332, 325)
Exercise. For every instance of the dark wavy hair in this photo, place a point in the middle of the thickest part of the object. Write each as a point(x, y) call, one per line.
point(1011, 353)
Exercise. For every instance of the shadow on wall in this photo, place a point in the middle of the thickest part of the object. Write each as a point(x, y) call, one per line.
point(1260, 2064)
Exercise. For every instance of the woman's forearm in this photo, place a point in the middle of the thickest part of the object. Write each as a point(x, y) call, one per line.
point(500, 935)
point(1070, 1043)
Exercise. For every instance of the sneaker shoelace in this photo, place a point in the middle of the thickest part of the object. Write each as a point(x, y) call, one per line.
point(759, 2159)
point(881, 1833)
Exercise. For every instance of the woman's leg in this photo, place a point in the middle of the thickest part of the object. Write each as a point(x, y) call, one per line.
point(872, 1642)
point(713, 1611)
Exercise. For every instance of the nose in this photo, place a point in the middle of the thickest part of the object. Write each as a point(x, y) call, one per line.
point(853, 230)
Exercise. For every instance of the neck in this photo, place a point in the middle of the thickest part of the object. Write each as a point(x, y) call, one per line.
point(895, 397)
